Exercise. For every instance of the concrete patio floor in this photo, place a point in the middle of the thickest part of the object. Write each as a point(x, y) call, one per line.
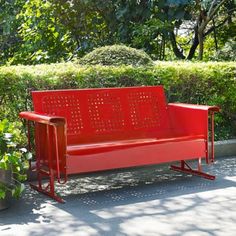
point(148, 201)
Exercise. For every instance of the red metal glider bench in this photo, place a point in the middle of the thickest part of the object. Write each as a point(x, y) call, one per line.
point(89, 130)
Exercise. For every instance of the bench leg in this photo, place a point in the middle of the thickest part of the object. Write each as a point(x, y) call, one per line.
point(49, 189)
point(48, 193)
point(184, 167)
point(45, 168)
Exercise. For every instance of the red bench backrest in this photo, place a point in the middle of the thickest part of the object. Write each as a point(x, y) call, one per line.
point(96, 115)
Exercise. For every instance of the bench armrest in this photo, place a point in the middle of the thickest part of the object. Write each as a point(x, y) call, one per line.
point(42, 118)
point(50, 139)
point(189, 119)
point(195, 107)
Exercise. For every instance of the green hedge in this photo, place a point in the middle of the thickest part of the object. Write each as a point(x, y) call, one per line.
point(203, 83)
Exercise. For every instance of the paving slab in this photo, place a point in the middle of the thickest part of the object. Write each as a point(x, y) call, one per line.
point(148, 201)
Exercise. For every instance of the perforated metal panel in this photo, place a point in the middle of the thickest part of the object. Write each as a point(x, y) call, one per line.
point(107, 114)
point(66, 106)
point(144, 111)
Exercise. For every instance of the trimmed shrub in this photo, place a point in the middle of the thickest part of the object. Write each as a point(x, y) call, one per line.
point(116, 55)
point(212, 83)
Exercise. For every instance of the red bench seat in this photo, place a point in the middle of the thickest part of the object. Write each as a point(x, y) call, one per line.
point(112, 155)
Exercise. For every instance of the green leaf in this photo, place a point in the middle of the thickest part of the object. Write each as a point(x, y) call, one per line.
point(2, 193)
point(17, 191)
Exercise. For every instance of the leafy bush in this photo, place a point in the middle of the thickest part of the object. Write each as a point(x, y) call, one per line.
point(228, 52)
point(116, 55)
point(12, 158)
point(203, 83)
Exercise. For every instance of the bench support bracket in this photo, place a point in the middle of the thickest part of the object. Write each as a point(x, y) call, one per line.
point(186, 168)
point(49, 189)
point(50, 193)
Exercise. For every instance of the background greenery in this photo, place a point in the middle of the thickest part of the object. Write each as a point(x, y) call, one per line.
point(65, 33)
point(211, 83)
point(49, 31)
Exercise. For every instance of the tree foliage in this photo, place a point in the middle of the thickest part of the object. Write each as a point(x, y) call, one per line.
point(43, 31)
point(10, 40)
point(228, 52)
point(45, 38)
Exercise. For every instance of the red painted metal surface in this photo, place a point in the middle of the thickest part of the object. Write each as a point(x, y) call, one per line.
point(86, 130)
point(185, 167)
point(136, 155)
point(97, 115)
point(193, 119)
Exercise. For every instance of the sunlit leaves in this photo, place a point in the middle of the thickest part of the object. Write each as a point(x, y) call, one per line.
point(45, 39)
point(45, 31)
point(13, 159)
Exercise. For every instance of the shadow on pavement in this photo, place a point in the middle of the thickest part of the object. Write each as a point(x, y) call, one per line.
point(145, 193)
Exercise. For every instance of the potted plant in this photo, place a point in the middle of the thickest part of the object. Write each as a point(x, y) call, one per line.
point(13, 162)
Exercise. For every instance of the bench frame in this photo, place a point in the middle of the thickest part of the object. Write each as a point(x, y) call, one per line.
point(56, 168)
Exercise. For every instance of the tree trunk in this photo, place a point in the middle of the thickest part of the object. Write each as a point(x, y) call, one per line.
point(176, 50)
point(194, 46)
point(164, 47)
point(200, 39)
point(215, 35)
